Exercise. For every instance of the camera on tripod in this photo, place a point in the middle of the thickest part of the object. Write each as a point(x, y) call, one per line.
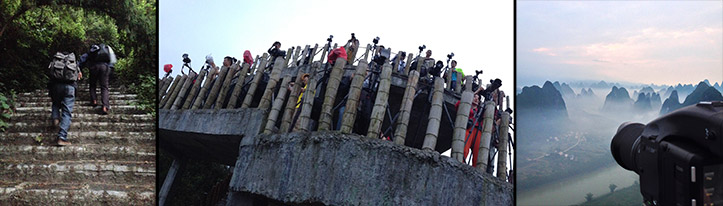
point(331, 37)
point(376, 40)
point(449, 56)
point(186, 59)
point(421, 48)
point(679, 156)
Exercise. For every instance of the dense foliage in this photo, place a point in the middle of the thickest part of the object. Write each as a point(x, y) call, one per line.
point(194, 183)
point(31, 31)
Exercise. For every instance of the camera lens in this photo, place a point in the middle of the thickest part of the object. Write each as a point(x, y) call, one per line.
point(625, 143)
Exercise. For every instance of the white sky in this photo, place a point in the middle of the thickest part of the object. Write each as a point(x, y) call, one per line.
point(479, 33)
point(661, 42)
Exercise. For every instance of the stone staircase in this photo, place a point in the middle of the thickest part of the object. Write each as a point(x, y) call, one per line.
point(111, 161)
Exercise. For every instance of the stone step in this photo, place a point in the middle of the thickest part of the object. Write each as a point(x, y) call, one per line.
point(77, 90)
point(120, 109)
point(46, 126)
point(39, 193)
point(80, 117)
point(92, 137)
point(77, 93)
point(78, 171)
point(79, 152)
point(46, 98)
point(77, 103)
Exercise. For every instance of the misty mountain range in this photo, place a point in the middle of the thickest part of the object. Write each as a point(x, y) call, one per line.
point(550, 98)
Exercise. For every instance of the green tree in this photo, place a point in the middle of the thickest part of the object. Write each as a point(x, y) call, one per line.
point(31, 31)
point(612, 187)
point(588, 196)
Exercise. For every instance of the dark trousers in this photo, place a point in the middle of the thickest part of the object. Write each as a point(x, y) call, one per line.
point(99, 72)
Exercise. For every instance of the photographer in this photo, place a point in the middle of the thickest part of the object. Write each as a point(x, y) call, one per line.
point(275, 52)
point(402, 63)
point(457, 75)
point(352, 46)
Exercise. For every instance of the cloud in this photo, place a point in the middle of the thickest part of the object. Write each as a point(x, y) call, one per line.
point(640, 54)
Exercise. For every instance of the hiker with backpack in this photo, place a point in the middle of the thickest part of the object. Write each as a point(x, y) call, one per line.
point(100, 61)
point(63, 73)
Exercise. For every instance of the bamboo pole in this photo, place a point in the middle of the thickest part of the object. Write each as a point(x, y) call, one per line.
point(323, 53)
point(395, 65)
point(460, 122)
point(484, 150)
point(347, 124)
point(405, 110)
point(271, 85)
point(166, 84)
point(239, 86)
point(502, 158)
point(276, 108)
point(204, 90)
point(289, 55)
point(224, 89)
point(435, 115)
point(381, 102)
point(291, 102)
point(366, 53)
point(305, 115)
point(331, 89)
point(181, 94)
point(409, 64)
point(194, 90)
point(216, 87)
point(252, 88)
point(170, 91)
point(175, 91)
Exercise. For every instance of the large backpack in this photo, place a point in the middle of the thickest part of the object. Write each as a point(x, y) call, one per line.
point(102, 55)
point(63, 68)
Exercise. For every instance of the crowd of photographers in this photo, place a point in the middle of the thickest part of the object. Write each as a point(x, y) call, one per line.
point(428, 71)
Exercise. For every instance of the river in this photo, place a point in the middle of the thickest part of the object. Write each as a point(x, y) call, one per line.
point(572, 190)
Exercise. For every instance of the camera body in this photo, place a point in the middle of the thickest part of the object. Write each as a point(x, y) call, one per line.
point(679, 156)
point(449, 56)
point(330, 38)
point(186, 59)
point(376, 40)
point(421, 48)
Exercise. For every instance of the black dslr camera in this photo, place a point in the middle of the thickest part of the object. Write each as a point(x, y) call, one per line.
point(679, 156)
point(449, 56)
point(186, 59)
point(376, 40)
point(494, 85)
point(421, 48)
point(330, 37)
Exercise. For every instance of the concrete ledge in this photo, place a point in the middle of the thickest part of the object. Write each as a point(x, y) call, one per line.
point(207, 134)
point(335, 169)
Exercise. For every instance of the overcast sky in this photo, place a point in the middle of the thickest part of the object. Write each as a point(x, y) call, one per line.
point(479, 33)
point(661, 42)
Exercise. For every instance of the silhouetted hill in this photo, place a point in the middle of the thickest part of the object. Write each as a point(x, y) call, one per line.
point(546, 100)
point(586, 93)
point(643, 103)
point(617, 99)
point(670, 104)
point(655, 101)
point(564, 89)
point(702, 92)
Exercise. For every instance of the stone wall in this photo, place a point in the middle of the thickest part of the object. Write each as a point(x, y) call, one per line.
point(335, 169)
